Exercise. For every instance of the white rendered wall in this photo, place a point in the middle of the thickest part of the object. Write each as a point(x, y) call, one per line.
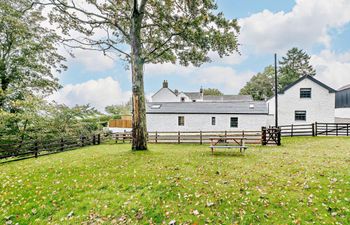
point(342, 113)
point(202, 122)
point(319, 108)
point(164, 95)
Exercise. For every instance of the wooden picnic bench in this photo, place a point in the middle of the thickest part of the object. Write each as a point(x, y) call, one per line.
point(235, 143)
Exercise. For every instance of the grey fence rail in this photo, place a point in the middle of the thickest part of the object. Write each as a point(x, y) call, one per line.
point(316, 129)
point(35, 148)
point(195, 137)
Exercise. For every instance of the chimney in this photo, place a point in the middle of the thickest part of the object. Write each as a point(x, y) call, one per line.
point(201, 90)
point(165, 84)
point(176, 92)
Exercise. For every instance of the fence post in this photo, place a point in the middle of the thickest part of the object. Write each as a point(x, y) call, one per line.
point(62, 144)
point(82, 141)
point(263, 135)
point(291, 132)
point(124, 134)
point(316, 129)
point(278, 136)
point(93, 139)
point(178, 137)
point(313, 129)
point(336, 131)
point(98, 139)
point(36, 149)
point(156, 137)
point(242, 133)
point(200, 137)
point(326, 129)
point(347, 129)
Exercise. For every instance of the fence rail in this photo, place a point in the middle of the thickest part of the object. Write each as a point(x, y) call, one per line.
point(197, 137)
point(37, 148)
point(316, 129)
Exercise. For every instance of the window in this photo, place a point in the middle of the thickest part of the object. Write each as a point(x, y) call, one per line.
point(234, 122)
point(251, 106)
point(181, 121)
point(305, 92)
point(193, 100)
point(182, 99)
point(300, 115)
point(213, 121)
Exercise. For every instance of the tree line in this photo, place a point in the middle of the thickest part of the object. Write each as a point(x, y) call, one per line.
point(294, 65)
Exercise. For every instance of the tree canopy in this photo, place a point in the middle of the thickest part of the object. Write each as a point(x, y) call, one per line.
point(294, 65)
point(212, 91)
point(28, 52)
point(260, 86)
point(147, 31)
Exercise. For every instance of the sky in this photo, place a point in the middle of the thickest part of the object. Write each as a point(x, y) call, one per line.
point(320, 27)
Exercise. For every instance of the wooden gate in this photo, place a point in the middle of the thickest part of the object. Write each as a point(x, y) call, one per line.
point(271, 136)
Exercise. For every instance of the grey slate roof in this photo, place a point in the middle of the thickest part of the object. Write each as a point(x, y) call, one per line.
point(344, 87)
point(193, 95)
point(222, 98)
point(235, 107)
point(331, 90)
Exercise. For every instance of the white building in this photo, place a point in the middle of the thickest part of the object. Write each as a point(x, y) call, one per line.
point(307, 100)
point(206, 116)
point(165, 94)
point(342, 105)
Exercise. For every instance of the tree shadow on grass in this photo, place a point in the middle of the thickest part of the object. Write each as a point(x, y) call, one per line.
point(227, 154)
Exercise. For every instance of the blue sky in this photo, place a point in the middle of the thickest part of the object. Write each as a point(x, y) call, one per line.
point(321, 27)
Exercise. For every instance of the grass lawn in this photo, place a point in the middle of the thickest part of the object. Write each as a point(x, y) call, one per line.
point(307, 180)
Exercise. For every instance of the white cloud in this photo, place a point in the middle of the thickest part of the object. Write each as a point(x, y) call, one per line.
point(224, 78)
point(332, 68)
point(168, 68)
point(94, 61)
point(97, 93)
point(306, 25)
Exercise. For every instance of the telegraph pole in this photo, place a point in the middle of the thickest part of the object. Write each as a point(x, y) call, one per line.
point(276, 93)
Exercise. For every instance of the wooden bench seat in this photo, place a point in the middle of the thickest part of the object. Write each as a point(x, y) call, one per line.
point(237, 143)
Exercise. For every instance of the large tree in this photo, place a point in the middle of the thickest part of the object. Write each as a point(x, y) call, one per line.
point(28, 52)
point(212, 91)
point(293, 66)
point(147, 31)
point(261, 85)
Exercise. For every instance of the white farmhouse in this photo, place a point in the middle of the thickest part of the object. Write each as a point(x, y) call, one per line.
point(165, 94)
point(342, 105)
point(206, 116)
point(307, 100)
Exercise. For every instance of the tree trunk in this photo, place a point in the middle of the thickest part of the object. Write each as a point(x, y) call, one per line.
point(139, 129)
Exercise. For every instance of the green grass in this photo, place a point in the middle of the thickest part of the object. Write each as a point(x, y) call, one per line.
point(307, 180)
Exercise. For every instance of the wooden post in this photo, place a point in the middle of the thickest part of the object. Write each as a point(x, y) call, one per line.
point(291, 132)
point(36, 149)
point(316, 129)
point(98, 139)
point(82, 141)
point(263, 135)
point(242, 133)
point(278, 136)
point(178, 137)
point(313, 129)
point(93, 139)
point(200, 137)
point(347, 129)
point(124, 134)
point(326, 129)
point(62, 145)
point(156, 137)
point(336, 131)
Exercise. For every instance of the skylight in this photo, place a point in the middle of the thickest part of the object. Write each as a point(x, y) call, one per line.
point(251, 106)
point(156, 106)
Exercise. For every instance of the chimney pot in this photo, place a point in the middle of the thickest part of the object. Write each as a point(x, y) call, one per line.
point(165, 84)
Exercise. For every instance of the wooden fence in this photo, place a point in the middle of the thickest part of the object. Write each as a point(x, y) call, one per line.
point(316, 129)
point(195, 137)
point(37, 148)
point(120, 123)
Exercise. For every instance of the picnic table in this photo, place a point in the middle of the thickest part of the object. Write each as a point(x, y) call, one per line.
point(229, 142)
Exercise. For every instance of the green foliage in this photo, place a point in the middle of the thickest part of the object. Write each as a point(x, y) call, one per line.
point(37, 119)
point(28, 52)
point(302, 182)
point(169, 31)
point(212, 91)
point(293, 66)
point(260, 86)
point(119, 110)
